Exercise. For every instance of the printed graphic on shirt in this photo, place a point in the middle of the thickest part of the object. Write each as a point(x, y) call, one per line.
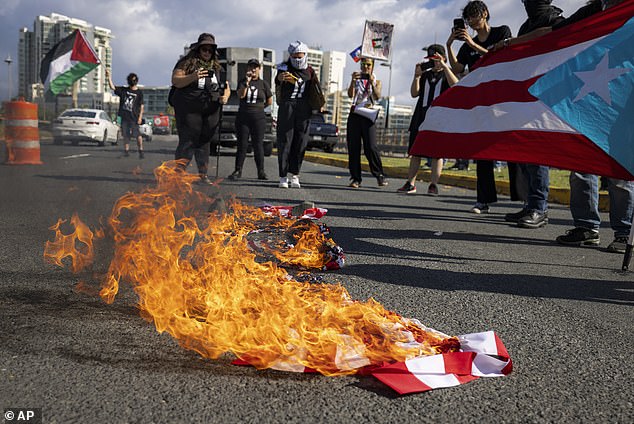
point(128, 103)
point(252, 94)
point(298, 90)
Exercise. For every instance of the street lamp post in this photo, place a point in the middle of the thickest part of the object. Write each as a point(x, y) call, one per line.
point(8, 61)
point(335, 103)
point(389, 87)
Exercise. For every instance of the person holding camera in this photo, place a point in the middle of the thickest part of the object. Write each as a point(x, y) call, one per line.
point(476, 15)
point(130, 111)
point(255, 94)
point(430, 79)
point(364, 90)
point(199, 94)
point(293, 80)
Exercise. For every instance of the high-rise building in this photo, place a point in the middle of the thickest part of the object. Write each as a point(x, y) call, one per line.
point(48, 31)
point(333, 65)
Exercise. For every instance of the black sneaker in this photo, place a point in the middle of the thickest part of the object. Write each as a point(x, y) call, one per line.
point(236, 175)
point(407, 188)
point(516, 216)
point(618, 245)
point(262, 175)
point(126, 153)
point(534, 219)
point(141, 155)
point(381, 181)
point(579, 237)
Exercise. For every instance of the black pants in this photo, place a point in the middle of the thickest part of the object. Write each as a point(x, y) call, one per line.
point(250, 124)
point(195, 131)
point(360, 129)
point(485, 186)
point(293, 120)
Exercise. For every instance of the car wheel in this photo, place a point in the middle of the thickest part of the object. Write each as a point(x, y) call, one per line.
point(58, 140)
point(116, 139)
point(75, 142)
point(329, 149)
point(105, 138)
point(268, 149)
point(213, 149)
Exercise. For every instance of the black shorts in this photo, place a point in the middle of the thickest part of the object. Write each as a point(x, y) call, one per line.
point(129, 129)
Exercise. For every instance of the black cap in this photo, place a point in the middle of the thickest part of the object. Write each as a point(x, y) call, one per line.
point(433, 49)
point(253, 62)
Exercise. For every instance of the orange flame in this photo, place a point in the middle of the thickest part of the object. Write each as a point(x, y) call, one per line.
point(197, 279)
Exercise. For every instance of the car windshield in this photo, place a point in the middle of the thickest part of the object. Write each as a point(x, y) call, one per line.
point(78, 114)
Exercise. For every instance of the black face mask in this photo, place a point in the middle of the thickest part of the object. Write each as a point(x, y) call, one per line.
point(536, 8)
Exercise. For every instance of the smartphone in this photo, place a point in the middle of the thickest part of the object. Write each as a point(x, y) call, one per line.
point(459, 23)
point(364, 76)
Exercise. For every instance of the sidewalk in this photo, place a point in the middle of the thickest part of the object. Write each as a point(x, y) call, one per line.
point(557, 195)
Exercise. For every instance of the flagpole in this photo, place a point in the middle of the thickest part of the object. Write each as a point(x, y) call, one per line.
point(628, 249)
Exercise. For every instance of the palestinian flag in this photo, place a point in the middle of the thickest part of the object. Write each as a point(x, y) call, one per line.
point(66, 62)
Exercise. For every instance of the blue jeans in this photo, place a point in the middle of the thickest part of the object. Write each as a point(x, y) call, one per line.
point(584, 203)
point(538, 181)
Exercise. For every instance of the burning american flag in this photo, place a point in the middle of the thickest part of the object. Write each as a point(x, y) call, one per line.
point(197, 279)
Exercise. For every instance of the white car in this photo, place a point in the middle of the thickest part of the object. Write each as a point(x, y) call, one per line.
point(146, 131)
point(78, 125)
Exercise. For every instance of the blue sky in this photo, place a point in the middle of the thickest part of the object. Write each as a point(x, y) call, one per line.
point(150, 34)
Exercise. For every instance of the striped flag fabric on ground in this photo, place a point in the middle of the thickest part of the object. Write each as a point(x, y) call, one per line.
point(66, 62)
point(481, 355)
point(562, 100)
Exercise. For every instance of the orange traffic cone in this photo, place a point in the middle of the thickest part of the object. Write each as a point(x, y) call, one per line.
point(21, 133)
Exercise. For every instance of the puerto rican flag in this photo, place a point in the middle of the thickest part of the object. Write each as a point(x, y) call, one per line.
point(562, 100)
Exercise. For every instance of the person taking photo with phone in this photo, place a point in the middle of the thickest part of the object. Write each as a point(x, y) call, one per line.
point(199, 93)
point(364, 90)
point(431, 78)
point(255, 94)
point(476, 15)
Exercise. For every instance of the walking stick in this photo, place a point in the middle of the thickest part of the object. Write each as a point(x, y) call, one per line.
point(628, 249)
point(218, 144)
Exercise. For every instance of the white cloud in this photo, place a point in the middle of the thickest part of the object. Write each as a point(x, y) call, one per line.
point(151, 34)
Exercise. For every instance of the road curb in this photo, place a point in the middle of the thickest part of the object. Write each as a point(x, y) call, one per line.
point(558, 195)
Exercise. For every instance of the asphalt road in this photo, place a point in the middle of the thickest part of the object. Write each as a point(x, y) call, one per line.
point(564, 314)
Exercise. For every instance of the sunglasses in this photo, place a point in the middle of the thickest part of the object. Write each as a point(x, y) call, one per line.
point(207, 49)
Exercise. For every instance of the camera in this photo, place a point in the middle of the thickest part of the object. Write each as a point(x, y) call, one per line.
point(364, 76)
point(459, 23)
point(426, 65)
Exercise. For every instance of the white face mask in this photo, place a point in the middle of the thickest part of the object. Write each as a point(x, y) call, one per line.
point(300, 62)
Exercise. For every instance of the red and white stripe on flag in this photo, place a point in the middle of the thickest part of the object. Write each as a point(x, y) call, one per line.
point(482, 355)
point(491, 115)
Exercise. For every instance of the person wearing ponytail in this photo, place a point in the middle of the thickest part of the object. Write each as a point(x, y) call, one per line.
point(200, 90)
point(292, 83)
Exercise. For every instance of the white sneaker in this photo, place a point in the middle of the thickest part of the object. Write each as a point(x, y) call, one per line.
point(295, 181)
point(283, 182)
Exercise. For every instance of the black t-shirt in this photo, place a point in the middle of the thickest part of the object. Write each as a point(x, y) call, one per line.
point(549, 17)
point(431, 85)
point(296, 92)
point(468, 57)
point(130, 102)
point(201, 94)
point(582, 13)
point(258, 92)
